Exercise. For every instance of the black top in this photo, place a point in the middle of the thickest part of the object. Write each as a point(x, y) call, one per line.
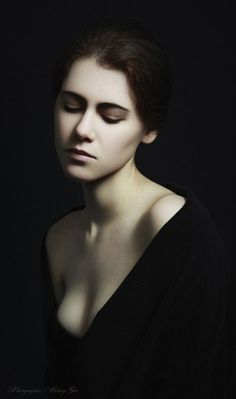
point(166, 332)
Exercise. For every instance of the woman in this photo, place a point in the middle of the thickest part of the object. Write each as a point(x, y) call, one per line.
point(135, 281)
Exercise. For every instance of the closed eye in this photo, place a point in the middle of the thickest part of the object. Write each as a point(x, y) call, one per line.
point(110, 120)
point(105, 118)
point(71, 109)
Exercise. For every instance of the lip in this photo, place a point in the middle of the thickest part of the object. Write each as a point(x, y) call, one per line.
point(79, 152)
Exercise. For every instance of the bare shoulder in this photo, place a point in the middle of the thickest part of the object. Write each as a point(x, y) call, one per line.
point(57, 230)
point(61, 235)
point(64, 227)
point(167, 206)
point(56, 241)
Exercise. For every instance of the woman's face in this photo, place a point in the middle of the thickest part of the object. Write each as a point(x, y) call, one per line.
point(95, 112)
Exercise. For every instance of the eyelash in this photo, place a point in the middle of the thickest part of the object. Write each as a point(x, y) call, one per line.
point(106, 119)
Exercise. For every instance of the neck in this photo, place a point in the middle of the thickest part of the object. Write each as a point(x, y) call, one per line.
point(110, 198)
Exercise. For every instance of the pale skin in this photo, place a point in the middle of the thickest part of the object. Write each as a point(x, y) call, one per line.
point(92, 250)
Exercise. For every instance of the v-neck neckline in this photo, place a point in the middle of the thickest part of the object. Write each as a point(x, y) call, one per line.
point(177, 189)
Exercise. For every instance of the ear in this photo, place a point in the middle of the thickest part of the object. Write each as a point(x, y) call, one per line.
point(150, 136)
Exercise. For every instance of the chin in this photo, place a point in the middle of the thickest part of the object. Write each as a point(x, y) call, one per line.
point(78, 177)
point(78, 174)
point(82, 174)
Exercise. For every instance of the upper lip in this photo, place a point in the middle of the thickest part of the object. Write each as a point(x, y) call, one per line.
point(80, 152)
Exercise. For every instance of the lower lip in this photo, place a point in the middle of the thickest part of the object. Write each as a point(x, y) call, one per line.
point(79, 157)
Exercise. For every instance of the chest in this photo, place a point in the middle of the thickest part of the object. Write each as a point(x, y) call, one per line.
point(92, 274)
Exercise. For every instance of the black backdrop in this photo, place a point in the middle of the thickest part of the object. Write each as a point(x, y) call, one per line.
point(195, 149)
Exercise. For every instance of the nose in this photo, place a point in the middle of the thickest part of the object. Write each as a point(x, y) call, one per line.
point(84, 128)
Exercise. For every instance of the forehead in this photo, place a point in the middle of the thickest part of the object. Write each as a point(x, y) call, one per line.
point(97, 83)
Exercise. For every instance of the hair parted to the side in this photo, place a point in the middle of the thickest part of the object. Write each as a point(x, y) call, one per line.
point(125, 45)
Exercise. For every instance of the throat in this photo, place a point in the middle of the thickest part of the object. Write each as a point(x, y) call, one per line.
point(110, 200)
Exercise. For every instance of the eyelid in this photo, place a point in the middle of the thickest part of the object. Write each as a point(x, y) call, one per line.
point(71, 108)
point(106, 118)
point(111, 117)
point(110, 120)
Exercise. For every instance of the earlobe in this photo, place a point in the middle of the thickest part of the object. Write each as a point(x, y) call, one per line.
point(150, 136)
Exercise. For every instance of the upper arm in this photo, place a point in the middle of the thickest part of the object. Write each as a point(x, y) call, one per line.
point(166, 207)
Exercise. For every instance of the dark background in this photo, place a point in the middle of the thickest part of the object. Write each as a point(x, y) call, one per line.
point(195, 149)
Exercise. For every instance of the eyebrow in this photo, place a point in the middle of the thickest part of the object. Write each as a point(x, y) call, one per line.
point(103, 105)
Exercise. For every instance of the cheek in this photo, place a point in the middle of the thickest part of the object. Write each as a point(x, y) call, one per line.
point(61, 128)
point(120, 141)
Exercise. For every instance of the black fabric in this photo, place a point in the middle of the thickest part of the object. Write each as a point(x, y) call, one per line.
point(167, 332)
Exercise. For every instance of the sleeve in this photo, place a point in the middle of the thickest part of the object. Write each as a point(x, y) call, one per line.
point(48, 302)
point(196, 353)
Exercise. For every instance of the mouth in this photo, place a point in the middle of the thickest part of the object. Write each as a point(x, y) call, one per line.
point(79, 152)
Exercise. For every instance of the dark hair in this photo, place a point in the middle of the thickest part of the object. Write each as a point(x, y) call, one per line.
point(125, 45)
